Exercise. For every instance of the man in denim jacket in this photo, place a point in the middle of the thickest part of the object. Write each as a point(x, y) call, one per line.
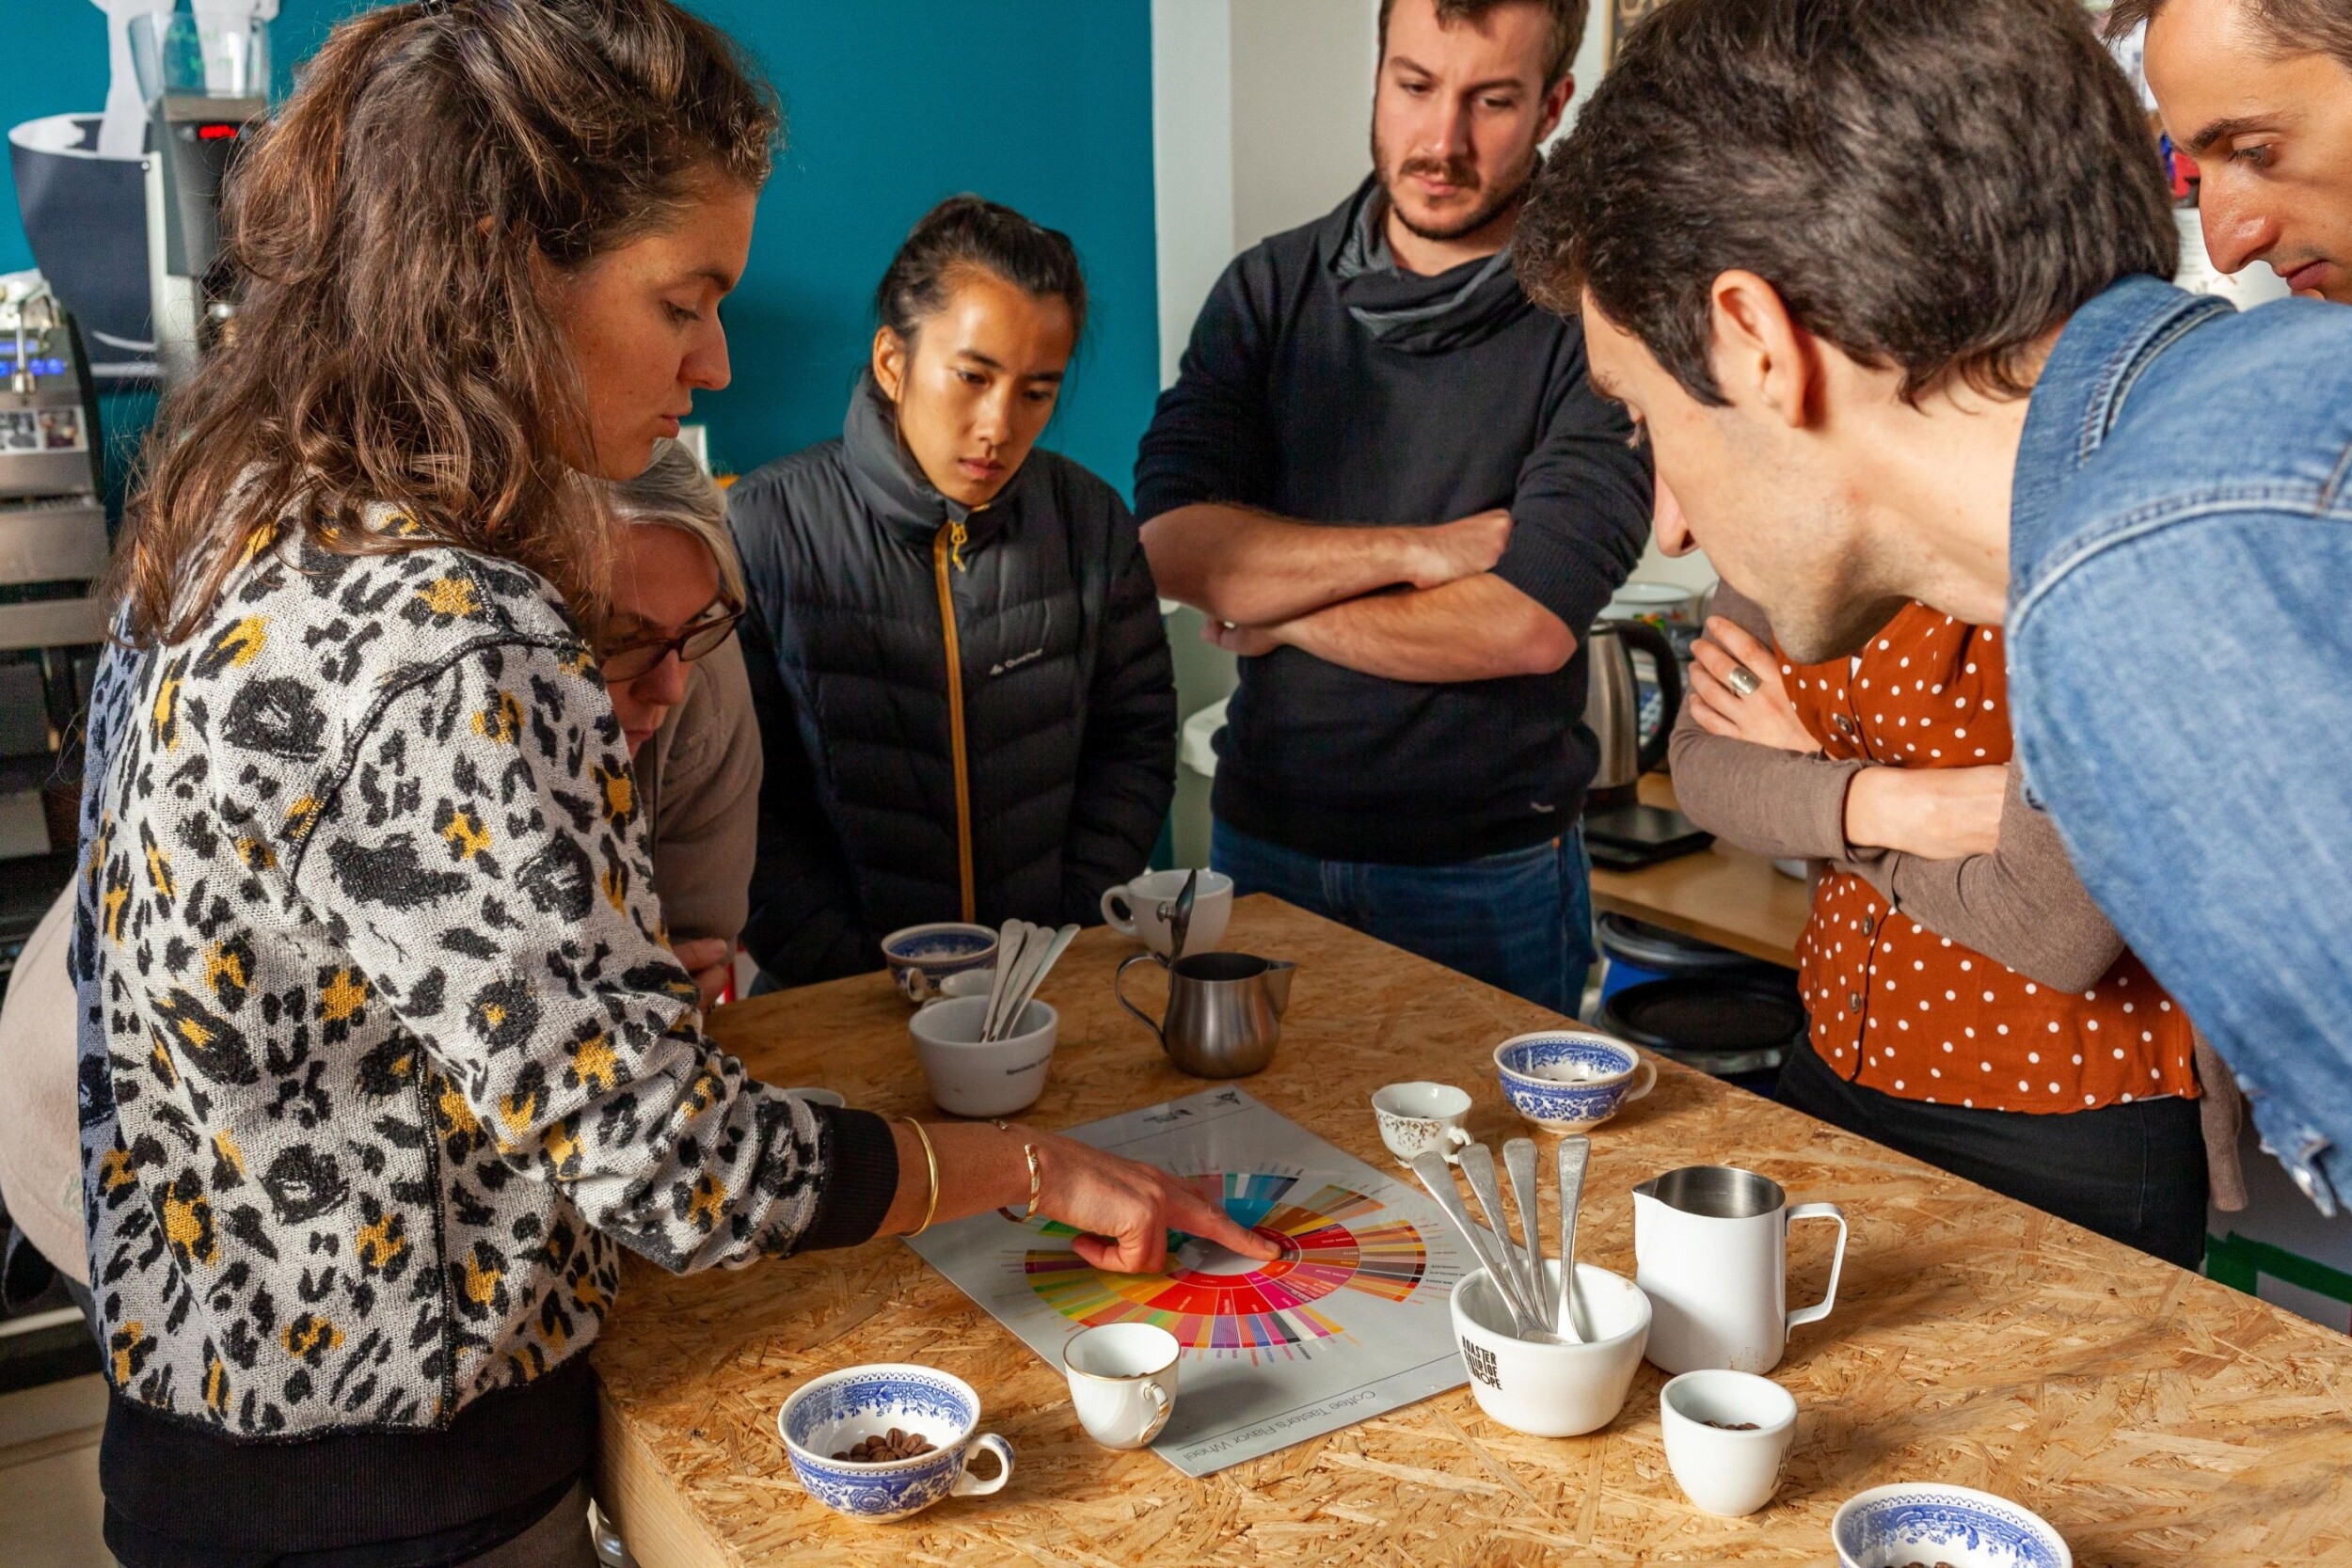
point(1884, 282)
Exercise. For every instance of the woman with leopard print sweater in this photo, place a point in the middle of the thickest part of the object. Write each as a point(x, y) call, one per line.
point(383, 1053)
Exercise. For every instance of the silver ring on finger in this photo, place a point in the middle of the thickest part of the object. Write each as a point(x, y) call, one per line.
point(1743, 681)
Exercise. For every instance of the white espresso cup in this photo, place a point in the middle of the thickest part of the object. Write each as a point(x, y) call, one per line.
point(1712, 1243)
point(1416, 1117)
point(1123, 1381)
point(1727, 1434)
point(1140, 907)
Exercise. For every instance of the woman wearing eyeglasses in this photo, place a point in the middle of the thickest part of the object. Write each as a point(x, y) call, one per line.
point(675, 674)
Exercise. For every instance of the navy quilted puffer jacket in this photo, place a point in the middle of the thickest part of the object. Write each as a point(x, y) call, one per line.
point(1021, 776)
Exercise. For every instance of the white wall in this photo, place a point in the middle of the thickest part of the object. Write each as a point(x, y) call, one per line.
point(1261, 117)
point(1192, 160)
point(1302, 110)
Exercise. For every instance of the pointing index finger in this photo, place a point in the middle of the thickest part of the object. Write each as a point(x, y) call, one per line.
point(1218, 1226)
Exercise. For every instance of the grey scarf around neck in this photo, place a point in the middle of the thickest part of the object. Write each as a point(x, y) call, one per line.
point(1408, 312)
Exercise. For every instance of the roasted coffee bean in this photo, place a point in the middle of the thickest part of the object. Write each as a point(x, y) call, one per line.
point(882, 1448)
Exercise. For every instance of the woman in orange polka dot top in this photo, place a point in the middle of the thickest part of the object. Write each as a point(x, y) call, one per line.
point(1970, 1006)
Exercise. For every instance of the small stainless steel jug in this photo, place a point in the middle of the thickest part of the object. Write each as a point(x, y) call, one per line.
point(1613, 705)
point(1224, 1011)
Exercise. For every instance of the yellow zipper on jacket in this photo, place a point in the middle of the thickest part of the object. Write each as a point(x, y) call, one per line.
point(950, 544)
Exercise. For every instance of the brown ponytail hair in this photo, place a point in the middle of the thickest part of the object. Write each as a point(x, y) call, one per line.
point(390, 346)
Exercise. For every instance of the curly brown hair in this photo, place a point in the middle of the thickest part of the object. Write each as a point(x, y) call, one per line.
point(388, 232)
point(1933, 186)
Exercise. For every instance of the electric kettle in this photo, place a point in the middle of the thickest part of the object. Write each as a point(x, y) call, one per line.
point(1613, 705)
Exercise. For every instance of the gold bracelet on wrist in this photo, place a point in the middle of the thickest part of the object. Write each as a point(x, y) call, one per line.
point(930, 1159)
point(1037, 1174)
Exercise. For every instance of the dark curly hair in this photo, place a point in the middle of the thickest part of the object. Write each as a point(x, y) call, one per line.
point(1931, 185)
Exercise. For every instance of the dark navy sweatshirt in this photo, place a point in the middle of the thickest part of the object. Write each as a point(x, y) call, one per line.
point(1321, 384)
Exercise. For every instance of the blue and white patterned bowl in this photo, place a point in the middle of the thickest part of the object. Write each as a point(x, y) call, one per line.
point(838, 1410)
point(1927, 1521)
point(1570, 1080)
point(920, 956)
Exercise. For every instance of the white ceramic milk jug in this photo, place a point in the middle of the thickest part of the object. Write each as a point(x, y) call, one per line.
point(1712, 1244)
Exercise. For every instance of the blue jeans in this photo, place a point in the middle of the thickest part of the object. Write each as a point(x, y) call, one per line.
point(1522, 921)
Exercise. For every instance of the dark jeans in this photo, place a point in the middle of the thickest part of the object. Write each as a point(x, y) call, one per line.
point(1522, 921)
point(2133, 1173)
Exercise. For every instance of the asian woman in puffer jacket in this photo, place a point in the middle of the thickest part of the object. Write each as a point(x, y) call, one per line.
point(964, 691)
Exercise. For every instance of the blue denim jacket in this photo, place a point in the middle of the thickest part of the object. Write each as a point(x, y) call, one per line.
point(2181, 667)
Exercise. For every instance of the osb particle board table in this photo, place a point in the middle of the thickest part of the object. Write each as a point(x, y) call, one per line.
point(2155, 1417)
point(1724, 894)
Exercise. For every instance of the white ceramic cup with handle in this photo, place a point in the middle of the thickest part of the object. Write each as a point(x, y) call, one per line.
point(1123, 1381)
point(1140, 907)
point(1418, 1116)
point(1727, 1434)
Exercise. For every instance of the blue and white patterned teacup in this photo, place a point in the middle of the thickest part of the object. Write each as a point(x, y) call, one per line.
point(1930, 1521)
point(1569, 1080)
point(835, 1412)
point(920, 956)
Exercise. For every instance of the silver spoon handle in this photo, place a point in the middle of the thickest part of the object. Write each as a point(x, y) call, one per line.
point(1007, 938)
point(1575, 1153)
point(1055, 947)
point(1438, 1176)
point(1518, 1163)
point(1034, 941)
point(1478, 1167)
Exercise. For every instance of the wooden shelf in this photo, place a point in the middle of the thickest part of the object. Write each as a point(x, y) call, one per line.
point(1723, 894)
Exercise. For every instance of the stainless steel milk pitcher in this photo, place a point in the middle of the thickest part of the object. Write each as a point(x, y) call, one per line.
point(1224, 1011)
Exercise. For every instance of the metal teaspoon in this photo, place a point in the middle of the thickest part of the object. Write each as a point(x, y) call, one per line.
point(1478, 1165)
point(1575, 1153)
point(1438, 1176)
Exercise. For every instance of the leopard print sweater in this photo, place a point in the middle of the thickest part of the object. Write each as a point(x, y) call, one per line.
point(382, 1051)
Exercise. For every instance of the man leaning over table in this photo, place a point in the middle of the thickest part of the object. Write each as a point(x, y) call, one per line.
point(2259, 93)
point(2146, 489)
point(1382, 475)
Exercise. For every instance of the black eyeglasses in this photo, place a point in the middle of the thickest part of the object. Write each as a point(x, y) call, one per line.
point(631, 659)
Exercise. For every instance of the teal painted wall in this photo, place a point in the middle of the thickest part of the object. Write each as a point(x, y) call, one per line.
point(891, 104)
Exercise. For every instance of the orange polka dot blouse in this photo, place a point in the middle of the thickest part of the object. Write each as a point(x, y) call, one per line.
point(1895, 1007)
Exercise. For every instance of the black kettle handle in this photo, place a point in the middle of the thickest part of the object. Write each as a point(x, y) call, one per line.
point(1642, 635)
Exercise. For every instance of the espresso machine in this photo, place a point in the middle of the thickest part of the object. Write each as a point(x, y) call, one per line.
point(203, 70)
point(53, 553)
